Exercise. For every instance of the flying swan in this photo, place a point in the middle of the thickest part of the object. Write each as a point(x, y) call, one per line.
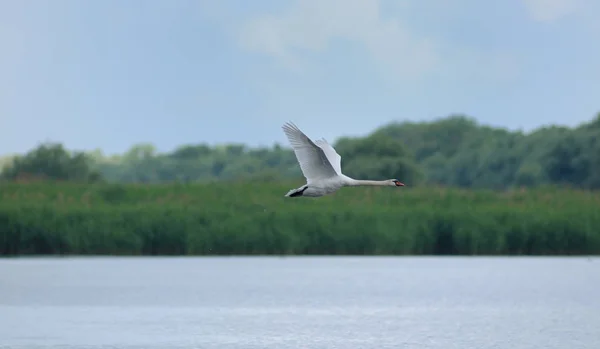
point(321, 166)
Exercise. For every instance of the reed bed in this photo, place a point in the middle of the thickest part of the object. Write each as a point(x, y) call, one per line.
point(243, 218)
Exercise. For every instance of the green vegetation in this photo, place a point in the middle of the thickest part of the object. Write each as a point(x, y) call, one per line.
point(506, 193)
point(455, 151)
point(6, 161)
point(254, 218)
point(50, 161)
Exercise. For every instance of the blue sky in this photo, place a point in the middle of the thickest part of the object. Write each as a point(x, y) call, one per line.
point(108, 74)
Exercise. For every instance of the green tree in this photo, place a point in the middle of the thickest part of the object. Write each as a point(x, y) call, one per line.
point(51, 161)
point(378, 157)
point(453, 151)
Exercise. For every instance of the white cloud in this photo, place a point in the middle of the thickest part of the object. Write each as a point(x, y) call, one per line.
point(551, 10)
point(310, 25)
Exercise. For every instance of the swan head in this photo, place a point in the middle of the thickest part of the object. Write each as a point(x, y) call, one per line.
point(396, 183)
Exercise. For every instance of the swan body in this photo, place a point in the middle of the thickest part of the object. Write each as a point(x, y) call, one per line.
point(322, 167)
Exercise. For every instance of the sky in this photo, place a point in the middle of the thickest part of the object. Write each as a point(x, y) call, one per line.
point(109, 74)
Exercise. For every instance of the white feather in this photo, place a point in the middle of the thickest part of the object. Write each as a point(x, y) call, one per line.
point(321, 165)
point(312, 158)
point(334, 158)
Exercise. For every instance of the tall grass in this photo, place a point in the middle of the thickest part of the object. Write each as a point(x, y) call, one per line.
point(255, 218)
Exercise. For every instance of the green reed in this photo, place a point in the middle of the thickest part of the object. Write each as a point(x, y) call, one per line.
point(254, 218)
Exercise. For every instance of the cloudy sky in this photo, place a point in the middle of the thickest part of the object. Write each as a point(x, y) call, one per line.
point(108, 74)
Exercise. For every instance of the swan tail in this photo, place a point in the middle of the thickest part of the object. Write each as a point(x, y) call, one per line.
point(296, 192)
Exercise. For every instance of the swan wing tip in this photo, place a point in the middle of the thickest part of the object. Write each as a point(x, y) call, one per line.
point(289, 124)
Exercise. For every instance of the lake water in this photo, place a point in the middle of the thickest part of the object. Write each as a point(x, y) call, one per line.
point(300, 302)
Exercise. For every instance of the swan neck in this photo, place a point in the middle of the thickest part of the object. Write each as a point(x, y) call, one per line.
point(361, 182)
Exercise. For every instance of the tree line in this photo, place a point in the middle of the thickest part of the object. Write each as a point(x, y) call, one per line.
point(454, 151)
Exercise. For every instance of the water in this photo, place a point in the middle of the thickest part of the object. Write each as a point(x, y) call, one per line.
point(316, 302)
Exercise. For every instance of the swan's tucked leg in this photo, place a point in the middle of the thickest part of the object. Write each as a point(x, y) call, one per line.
point(296, 192)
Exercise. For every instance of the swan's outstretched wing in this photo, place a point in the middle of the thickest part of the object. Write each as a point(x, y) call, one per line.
point(312, 159)
point(334, 158)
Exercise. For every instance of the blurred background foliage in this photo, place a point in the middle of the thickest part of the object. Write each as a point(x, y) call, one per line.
point(454, 151)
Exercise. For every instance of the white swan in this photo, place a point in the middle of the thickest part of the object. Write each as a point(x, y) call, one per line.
point(321, 166)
